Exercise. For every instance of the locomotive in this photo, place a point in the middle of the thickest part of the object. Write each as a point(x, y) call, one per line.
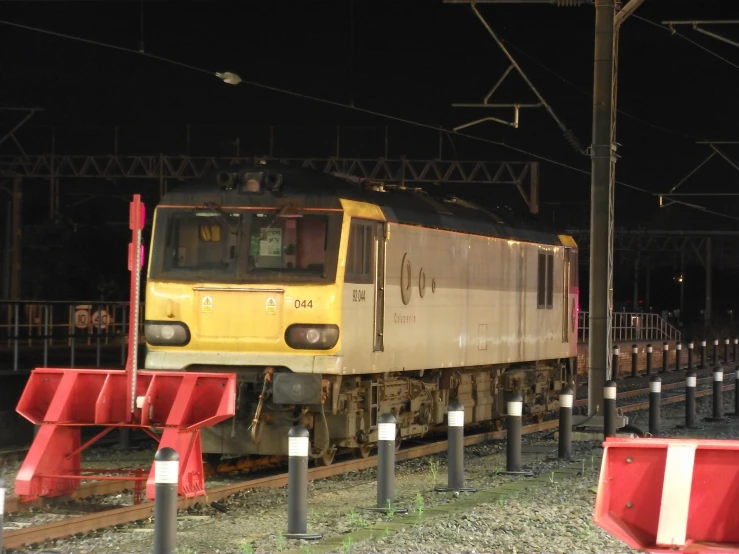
point(335, 300)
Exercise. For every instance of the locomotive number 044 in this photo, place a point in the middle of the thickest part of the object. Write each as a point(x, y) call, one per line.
point(304, 303)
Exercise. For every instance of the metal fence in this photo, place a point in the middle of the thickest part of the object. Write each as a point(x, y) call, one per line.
point(37, 334)
point(627, 326)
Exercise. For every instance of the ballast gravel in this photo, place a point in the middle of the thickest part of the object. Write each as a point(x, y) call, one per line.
point(555, 517)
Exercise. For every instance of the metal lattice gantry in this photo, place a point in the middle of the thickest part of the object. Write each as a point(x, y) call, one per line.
point(523, 175)
point(661, 246)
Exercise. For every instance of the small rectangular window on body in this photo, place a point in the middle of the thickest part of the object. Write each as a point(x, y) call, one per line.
point(541, 283)
point(550, 280)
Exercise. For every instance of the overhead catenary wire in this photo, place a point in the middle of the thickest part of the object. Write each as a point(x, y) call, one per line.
point(589, 94)
point(566, 131)
point(367, 111)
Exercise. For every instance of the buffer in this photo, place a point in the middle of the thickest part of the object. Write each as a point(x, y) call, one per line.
point(169, 406)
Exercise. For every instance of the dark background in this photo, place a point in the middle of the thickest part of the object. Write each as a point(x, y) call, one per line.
point(408, 58)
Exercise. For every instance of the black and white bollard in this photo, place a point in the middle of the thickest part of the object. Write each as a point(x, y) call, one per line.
point(736, 350)
point(704, 364)
point(386, 430)
point(726, 350)
point(718, 384)
point(691, 345)
point(614, 364)
point(649, 359)
point(455, 454)
point(691, 382)
point(609, 409)
point(715, 360)
point(678, 353)
point(736, 394)
point(166, 476)
point(514, 411)
point(566, 398)
point(665, 356)
point(124, 438)
point(298, 450)
point(655, 395)
point(634, 360)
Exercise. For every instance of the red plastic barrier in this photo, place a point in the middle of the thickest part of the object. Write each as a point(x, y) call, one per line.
point(670, 495)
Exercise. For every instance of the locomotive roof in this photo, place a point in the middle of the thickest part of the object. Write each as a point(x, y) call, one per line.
point(310, 188)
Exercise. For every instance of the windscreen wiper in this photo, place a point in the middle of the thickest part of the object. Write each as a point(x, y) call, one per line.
point(280, 213)
point(222, 216)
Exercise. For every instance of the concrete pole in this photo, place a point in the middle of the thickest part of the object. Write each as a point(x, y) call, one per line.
point(601, 204)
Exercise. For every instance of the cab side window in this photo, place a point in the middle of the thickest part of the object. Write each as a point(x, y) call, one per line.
point(360, 253)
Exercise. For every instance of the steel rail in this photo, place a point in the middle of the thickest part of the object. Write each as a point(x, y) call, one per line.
point(119, 516)
point(91, 522)
point(639, 392)
point(13, 504)
point(672, 399)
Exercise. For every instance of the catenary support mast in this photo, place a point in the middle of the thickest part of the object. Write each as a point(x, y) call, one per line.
point(601, 205)
point(603, 160)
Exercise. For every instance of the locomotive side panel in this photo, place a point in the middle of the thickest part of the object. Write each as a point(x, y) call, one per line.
point(515, 305)
point(543, 314)
point(429, 331)
point(480, 305)
point(494, 305)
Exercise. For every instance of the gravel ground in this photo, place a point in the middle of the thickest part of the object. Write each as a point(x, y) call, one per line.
point(554, 517)
point(255, 519)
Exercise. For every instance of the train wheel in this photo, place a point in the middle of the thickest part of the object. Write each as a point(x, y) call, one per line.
point(363, 451)
point(326, 459)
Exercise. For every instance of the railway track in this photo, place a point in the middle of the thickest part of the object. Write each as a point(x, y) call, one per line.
point(90, 522)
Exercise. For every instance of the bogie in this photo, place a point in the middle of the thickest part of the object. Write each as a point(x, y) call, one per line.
point(348, 420)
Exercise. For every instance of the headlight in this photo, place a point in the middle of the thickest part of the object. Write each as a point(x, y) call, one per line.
point(312, 337)
point(166, 333)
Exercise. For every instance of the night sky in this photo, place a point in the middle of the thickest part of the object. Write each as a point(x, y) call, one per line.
point(408, 58)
